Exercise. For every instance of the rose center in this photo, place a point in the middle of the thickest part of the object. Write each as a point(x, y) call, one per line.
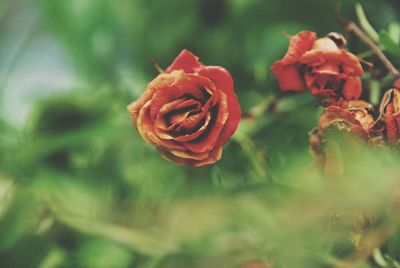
point(179, 115)
point(326, 81)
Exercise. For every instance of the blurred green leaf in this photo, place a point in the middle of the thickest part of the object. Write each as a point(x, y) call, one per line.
point(394, 31)
point(80, 188)
point(102, 253)
point(391, 45)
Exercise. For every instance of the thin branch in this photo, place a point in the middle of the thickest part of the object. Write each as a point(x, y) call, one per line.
point(353, 28)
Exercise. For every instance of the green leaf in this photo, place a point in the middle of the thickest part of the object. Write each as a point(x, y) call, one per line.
point(394, 31)
point(391, 46)
point(375, 92)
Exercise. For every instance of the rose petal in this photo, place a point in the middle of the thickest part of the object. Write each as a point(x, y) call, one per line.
point(334, 114)
point(175, 159)
point(189, 85)
point(161, 81)
point(392, 131)
point(213, 157)
point(220, 77)
point(349, 62)
point(207, 141)
point(185, 61)
point(146, 129)
point(190, 126)
point(190, 155)
point(179, 104)
point(287, 70)
point(352, 88)
point(326, 69)
point(193, 120)
point(223, 81)
point(299, 44)
point(195, 134)
point(208, 85)
point(289, 77)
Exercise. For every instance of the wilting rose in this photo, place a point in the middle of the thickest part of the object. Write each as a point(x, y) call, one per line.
point(322, 66)
point(390, 114)
point(189, 112)
point(350, 118)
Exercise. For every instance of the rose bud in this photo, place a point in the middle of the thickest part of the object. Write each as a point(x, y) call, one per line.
point(322, 66)
point(189, 112)
point(390, 114)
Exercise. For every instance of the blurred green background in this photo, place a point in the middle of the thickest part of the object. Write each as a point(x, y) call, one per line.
point(80, 188)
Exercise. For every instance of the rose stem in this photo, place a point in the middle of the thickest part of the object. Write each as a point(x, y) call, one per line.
point(353, 28)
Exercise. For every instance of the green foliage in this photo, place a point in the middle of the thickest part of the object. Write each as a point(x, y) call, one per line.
point(80, 188)
point(389, 43)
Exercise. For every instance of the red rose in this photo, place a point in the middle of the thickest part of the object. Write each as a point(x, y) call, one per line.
point(320, 65)
point(189, 112)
